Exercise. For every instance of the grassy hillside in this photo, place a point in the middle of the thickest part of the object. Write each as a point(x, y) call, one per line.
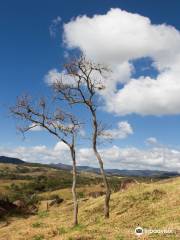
point(39, 178)
point(154, 205)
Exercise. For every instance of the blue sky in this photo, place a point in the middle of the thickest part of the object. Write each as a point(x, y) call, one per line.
point(28, 53)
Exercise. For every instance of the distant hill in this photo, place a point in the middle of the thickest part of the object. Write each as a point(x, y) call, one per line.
point(133, 173)
point(61, 166)
point(110, 172)
point(11, 160)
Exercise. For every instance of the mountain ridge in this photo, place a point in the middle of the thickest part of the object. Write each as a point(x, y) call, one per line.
point(12, 160)
point(110, 172)
point(124, 172)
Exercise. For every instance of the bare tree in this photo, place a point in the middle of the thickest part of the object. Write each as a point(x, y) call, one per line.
point(79, 84)
point(58, 123)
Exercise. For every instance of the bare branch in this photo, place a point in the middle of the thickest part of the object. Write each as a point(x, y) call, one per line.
point(58, 123)
point(87, 80)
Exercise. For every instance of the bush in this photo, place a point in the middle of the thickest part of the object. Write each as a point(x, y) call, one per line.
point(22, 169)
point(53, 196)
point(23, 192)
point(37, 225)
point(43, 214)
point(38, 237)
point(61, 230)
point(80, 194)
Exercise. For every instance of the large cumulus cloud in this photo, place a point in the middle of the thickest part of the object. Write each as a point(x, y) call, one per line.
point(117, 38)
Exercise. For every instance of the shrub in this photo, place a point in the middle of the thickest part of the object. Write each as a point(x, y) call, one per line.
point(61, 230)
point(53, 196)
point(37, 225)
point(80, 194)
point(156, 194)
point(38, 237)
point(43, 214)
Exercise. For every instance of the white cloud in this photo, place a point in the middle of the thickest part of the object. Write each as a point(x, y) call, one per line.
point(54, 76)
point(123, 130)
point(157, 158)
point(118, 37)
point(147, 96)
point(151, 141)
point(39, 153)
point(35, 128)
point(60, 146)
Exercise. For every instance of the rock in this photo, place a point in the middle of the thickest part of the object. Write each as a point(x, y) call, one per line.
point(96, 194)
point(19, 204)
point(56, 201)
point(33, 209)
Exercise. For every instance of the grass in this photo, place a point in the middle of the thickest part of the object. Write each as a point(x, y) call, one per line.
point(43, 214)
point(66, 193)
point(37, 225)
point(119, 237)
point(5, 183)
point(61, 230)
point(152, 206)
point(38, 237)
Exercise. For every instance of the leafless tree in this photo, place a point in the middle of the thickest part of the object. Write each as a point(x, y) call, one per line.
point(79, 84)
point(62, 125)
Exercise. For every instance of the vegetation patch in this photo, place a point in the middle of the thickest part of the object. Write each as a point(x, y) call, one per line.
point(61, 231)
point(43, 214)
point(38, 237)
point(38, 225)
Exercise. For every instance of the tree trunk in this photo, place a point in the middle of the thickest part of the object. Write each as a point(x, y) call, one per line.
point(108, 191)
point(98, 156)
point(75, 218)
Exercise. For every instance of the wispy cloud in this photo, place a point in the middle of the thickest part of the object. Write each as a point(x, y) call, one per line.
point(53, 28)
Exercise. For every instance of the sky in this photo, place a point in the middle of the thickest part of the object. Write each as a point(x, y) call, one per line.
point(139, 40)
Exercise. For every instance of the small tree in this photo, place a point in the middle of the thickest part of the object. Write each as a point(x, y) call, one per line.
point(85, 79)
point(58, 123)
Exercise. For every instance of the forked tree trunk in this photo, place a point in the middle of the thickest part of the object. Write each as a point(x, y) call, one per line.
point(98, 156)
point(75, 218)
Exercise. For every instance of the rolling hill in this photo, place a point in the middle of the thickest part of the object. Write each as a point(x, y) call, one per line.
point(151, 206)
point(11, 160)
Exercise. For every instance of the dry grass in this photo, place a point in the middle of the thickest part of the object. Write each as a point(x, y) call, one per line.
point(5, 183)
point(66, 193)
point(9, 166)
point(155, 206)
